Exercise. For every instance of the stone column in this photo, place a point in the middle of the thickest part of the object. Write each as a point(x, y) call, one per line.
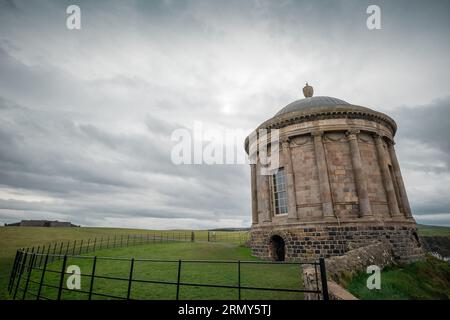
point(398, 177)
point(254, 195)
point(360, 177)
point(324, 181)
point(266, 195)
point(387, 181)
point(290, 181)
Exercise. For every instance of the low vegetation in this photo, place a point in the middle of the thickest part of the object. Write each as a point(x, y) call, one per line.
point(423, 280)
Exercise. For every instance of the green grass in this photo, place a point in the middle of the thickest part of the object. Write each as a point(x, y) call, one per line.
point(255, 275)
point(425, 230)
point(424, 280)
point(12, 238)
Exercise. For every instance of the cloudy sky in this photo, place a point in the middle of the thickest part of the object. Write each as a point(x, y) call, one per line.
point(86, 116)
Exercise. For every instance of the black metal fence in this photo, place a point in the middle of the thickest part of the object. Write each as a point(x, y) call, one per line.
point(40, 272)
point(78, 247)
point(32, 280)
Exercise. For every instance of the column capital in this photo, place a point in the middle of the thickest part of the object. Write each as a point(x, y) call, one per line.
point(390, 142)
point(285, 142)
point(351, 134)
point(377, 137)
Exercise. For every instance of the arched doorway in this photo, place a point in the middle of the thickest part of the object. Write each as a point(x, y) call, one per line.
point(277, 248)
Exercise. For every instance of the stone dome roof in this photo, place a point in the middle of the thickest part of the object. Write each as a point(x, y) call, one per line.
point(323, 107)
point(316, 103)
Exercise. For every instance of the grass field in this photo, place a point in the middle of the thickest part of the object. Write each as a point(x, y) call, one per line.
point(255, 275)
point(12, 238)
point(424, 280)
point(433, 231)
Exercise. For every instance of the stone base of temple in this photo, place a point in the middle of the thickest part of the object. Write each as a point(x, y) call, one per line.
point(313, 240)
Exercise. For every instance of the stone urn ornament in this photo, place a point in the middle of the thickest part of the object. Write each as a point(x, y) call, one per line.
point(308, 91)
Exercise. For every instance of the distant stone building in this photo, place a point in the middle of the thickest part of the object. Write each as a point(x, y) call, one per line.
point(338, 184)
point(41, 223)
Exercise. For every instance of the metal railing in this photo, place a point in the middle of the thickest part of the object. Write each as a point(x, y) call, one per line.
point(27, 271)
point(41, 259)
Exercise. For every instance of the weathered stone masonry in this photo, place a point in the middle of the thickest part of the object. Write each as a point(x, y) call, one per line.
point(343, 183)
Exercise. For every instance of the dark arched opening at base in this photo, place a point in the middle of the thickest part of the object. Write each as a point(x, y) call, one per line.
point(277, 249)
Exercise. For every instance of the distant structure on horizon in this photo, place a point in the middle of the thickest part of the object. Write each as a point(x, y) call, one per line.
point(338, 185)
point(40, 223)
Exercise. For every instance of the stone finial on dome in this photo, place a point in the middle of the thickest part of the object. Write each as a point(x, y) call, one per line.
point(308, 91)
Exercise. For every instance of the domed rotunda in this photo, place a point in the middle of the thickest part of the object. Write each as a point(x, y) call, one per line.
point(338, 184)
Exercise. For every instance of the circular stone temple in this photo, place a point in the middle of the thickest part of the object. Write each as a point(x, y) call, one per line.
point(336, 183)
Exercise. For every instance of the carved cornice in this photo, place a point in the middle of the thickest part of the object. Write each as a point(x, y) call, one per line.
point(284, 120)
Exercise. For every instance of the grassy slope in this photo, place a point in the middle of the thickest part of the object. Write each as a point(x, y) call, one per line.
point(281, 276)
point(429, 279)
point(425, 230)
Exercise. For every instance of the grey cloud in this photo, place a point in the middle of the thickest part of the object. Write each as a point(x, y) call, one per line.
point(428, 124)
point(86, 117)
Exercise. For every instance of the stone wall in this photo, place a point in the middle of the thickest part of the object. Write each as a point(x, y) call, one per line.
point(309, 242)
point(345, 266)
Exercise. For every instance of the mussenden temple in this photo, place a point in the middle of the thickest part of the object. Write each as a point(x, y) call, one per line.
point(338, 185)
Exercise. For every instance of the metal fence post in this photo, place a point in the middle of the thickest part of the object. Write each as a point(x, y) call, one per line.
point(61, 247)
point(130, 279)
point(74, 245)
point(42, 277)
point(239, 279)
point(13, 271)
point(24, 260)
point(67, 247)
point(323, 278)
point(91, 286)
point(208, 236)
point(178, 279)
point(81, 247)
point(95, 243)
point(30, 269)
point(61, 280)
point(88, 245)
